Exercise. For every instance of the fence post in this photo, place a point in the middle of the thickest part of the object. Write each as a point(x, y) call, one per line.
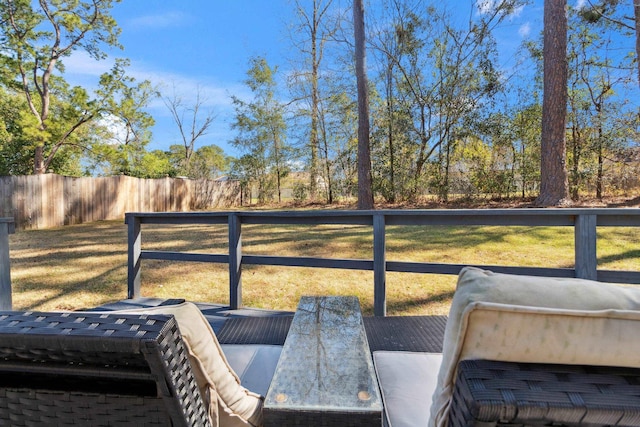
point(134, 239)
point(379, 266)
point(235, 261)
point(7, 226)
point(586, 264)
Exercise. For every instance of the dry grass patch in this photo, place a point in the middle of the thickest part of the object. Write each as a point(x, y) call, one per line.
point(69, 268)
point(85, 265)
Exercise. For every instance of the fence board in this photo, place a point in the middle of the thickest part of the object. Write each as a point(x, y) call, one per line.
point(6, 191)
point(49, 200)
point(121, 199)
point(87, 201)
point(22, 220)
point(57, 202)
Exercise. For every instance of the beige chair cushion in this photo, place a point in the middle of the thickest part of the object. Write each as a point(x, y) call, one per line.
point(536, 320)
point(405, 378)
point(254, 364)
point(230, 404)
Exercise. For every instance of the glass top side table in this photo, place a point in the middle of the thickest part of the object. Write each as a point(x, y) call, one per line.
point(325, 374)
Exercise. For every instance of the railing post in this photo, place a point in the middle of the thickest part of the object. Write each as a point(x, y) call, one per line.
point(379, 266)
point(134, 240)
point(235, 261)
point(6, 227)
point(586, 263)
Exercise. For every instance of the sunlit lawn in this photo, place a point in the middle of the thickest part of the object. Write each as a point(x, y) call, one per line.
point(85, 266)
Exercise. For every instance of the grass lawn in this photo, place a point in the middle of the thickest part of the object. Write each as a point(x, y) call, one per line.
point(85, 265)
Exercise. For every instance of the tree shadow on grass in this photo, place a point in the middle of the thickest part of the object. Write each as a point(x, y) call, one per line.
point(97, 289)
point(409, 305)
point(630, 254)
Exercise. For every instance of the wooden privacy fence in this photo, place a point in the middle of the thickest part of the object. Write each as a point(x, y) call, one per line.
point(49, 200)
point(584, 222)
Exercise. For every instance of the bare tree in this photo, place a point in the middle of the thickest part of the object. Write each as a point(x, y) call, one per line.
point(636, 16)
point(191, 120)
point(554, 184)
point(365, 195)
point(314, 28)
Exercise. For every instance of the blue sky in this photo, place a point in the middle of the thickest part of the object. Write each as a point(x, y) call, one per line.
point(191, 45)
point(206, 44)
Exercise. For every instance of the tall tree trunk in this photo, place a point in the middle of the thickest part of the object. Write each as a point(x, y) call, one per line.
point(444, 195)
point(522, 174)
point(365, 195)
point(575, 171)
point(315, 99)
point(276, 150)
point(327, 171)
point(636, 13)
point(327, 163)
point(553, 169)
point(600, 176)
point(38, 163)
point(319, 26)
point(392, 181)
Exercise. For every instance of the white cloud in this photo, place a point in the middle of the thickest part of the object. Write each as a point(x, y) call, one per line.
point(116, 129)
point(581, 4)
point(81, 69)
point(164, 20)
point(216, 96)
point(80, 63)
point(517, 11)
point(524, 30)
point(488, 6)
point(485, 6)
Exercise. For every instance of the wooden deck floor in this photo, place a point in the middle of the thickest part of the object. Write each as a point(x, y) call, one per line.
point(258, 326)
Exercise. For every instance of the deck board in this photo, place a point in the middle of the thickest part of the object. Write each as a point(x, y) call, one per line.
point(255, 330)
point(258, 326)
point(406, 333)
point(400, 333)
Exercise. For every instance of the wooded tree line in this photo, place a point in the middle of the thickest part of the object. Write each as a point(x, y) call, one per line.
point(447, 117)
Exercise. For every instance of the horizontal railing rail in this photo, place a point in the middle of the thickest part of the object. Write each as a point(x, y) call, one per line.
point(584, 222)
point(7, 226)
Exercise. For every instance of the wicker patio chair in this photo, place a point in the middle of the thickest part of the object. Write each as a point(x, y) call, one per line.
point(493, 393)
point(523, 351)
point(95, 369)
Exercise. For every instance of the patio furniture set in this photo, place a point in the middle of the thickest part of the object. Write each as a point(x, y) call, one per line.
point(515, 350)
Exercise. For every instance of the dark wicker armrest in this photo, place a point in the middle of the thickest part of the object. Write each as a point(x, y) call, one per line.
point(489, 393)
point(95, 369)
